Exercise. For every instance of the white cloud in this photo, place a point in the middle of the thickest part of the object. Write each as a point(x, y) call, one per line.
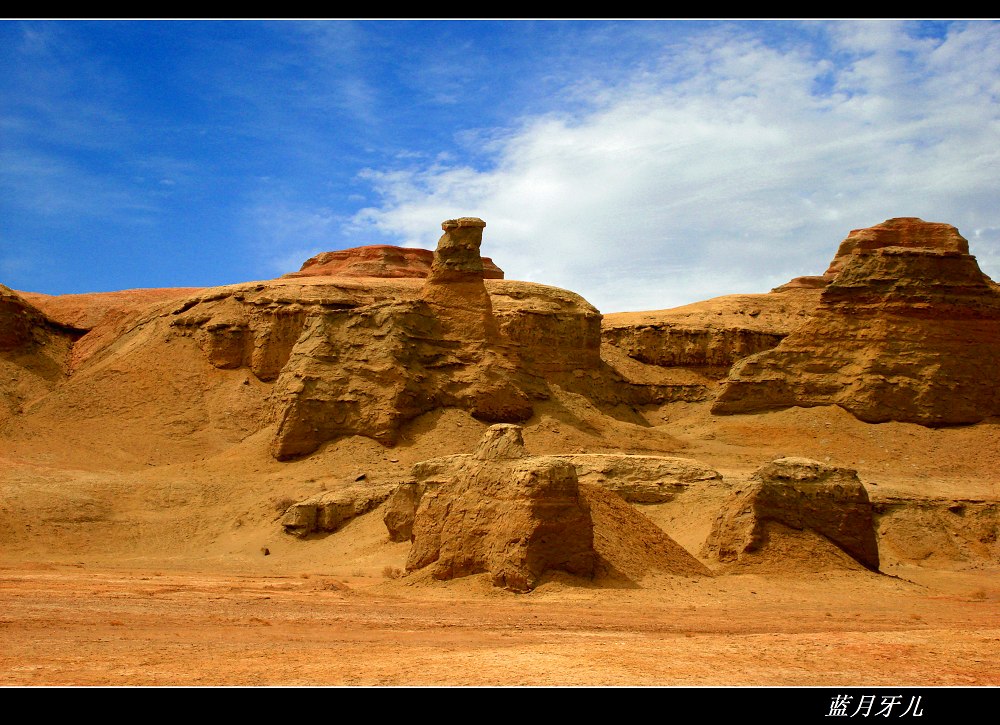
point(730, 166)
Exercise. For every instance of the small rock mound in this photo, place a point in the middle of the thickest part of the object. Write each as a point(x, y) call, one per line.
point(800, 494)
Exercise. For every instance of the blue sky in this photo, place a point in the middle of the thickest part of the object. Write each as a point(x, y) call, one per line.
point(643, 164)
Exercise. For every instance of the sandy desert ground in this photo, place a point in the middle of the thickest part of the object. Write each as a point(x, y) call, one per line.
point(91, 596)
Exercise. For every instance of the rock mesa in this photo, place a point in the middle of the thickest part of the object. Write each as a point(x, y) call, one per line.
point(908, 329)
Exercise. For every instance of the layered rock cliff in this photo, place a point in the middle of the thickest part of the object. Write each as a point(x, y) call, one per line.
point(908, 329)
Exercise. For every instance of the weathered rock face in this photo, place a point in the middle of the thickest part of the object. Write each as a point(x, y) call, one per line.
point(537, 504)
point(801, 494)
point(903, 332)
point(367, 369)
point(681, 353)
point(641, 479)
point(331, 510)
point(902, 232)
point(17, 320)
point(100, 318)
point(515, 517)
point(34, 352)
point(252, 326)
point(379, 260)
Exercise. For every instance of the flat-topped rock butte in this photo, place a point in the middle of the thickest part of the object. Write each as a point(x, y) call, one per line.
point(404, 436)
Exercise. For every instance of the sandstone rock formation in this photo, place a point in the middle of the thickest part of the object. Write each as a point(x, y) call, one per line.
point(633, 478)
point(902, 232)
point(710, 334)
point(34, 352)
point(516, 516)
point(907, 330)
point(801, 494)
point(682, 353)
point(511, 515)
point(379, 260)
point(330, 510)
point(640, 479)
point(369, 368)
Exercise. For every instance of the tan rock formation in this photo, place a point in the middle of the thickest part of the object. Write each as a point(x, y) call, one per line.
point(34, 352)
point(681, 353)
point(367, 370)
point(330, 510)
point(400, 510)
point(636, 479)
point(903, 332)
point(514, 517)
point(454, 289)
point(640, 479)
point(801, 494)
point(903, 232)
point(379, 260)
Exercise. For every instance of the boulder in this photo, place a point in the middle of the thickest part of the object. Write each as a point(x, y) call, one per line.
point(400, 510)
point(366, 369)
point(801, 494)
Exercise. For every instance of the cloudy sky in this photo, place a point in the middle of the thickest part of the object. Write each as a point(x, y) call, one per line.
point(643, 164)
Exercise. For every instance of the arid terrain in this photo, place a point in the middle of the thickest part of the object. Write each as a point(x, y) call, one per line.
point(291, 482)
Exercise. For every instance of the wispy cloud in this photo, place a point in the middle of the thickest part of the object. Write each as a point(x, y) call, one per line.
point(730, 165)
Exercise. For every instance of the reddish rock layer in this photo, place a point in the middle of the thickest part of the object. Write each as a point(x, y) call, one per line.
point(379, 260)
point(906, 232)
